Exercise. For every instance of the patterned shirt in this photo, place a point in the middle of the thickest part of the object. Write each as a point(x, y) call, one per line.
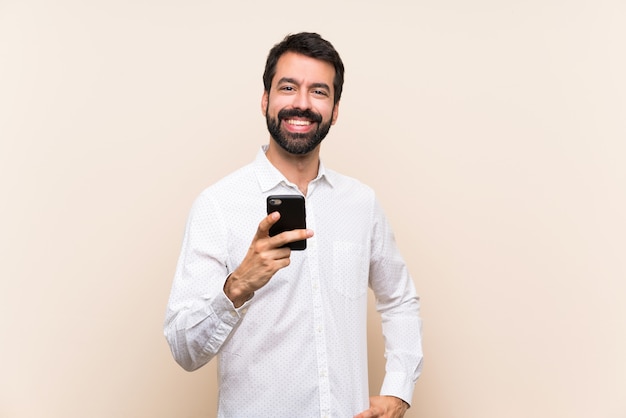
point(299, 346)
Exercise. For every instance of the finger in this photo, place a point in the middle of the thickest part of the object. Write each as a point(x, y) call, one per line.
point(370, 413)
point(264, 227)
point(280, 258)
point(286, 237)
point(281, 253)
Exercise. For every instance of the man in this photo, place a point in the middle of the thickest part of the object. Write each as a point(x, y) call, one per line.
point(289, 327)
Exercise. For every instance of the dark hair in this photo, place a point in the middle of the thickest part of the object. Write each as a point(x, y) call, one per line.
point(309, 44)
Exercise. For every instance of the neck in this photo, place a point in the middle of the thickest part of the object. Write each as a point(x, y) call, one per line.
point(298, 169)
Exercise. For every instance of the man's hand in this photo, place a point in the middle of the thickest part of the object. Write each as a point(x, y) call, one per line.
point(385, 407)
point(265, 257)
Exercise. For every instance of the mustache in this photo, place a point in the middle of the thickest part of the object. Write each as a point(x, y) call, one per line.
point(299, 113)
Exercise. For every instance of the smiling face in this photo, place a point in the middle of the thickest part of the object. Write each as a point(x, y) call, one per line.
point(299, 107)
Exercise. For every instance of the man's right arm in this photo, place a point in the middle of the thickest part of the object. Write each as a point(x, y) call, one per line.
point(206, 303)
point(199, 316)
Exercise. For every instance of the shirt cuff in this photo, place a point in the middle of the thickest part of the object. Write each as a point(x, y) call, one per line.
point(226, 310)
point(399, 385)
point(228, 318)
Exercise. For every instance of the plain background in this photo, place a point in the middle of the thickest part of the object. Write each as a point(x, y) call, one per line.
point(493, 131)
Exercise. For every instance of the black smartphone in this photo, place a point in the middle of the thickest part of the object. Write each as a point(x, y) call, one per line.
point(292, 216)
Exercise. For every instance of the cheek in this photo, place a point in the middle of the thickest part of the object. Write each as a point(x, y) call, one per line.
point(273, 107)
point(330, 115)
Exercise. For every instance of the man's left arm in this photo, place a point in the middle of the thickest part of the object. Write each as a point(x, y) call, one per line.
point(399, 305)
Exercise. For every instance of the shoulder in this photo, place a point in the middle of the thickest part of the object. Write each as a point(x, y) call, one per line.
point(346, 184)
point(235, 181)
point(232, 189)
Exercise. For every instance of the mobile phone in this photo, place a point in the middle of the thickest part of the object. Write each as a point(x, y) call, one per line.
point(292, 216)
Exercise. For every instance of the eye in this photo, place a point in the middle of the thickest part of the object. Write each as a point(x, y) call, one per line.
point(287, 88)
point(319, 92)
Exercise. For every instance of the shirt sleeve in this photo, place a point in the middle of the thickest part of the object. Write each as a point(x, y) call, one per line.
point(199, 316)
point(399, 305)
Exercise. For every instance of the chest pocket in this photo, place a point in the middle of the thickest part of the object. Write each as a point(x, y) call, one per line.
point(350, 269)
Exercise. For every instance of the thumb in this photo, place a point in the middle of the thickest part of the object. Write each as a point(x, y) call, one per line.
point(264, 227)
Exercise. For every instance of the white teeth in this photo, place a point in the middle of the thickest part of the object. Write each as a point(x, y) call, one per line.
point(298, 122)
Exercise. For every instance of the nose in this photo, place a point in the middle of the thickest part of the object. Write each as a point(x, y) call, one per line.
point(302, 100)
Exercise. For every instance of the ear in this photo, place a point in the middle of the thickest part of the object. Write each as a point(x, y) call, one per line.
point(264, 101)
point(335, 113)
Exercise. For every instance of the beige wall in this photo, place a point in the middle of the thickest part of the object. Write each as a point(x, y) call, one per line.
point(493, 132)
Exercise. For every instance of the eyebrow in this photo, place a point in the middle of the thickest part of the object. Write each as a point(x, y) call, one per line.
point(293, 81)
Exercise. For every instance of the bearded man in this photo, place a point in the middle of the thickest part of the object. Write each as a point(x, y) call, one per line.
point(289, 328)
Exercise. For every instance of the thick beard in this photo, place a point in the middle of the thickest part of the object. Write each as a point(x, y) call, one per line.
point(297, 143)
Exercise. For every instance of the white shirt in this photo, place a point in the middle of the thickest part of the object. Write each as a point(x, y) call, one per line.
point(299, 346)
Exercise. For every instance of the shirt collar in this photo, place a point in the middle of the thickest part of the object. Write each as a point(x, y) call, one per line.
point(269, 177)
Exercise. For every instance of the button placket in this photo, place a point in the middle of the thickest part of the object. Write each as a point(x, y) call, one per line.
point(318, 319)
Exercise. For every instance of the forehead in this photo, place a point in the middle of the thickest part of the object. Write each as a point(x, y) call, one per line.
point(305, 70)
